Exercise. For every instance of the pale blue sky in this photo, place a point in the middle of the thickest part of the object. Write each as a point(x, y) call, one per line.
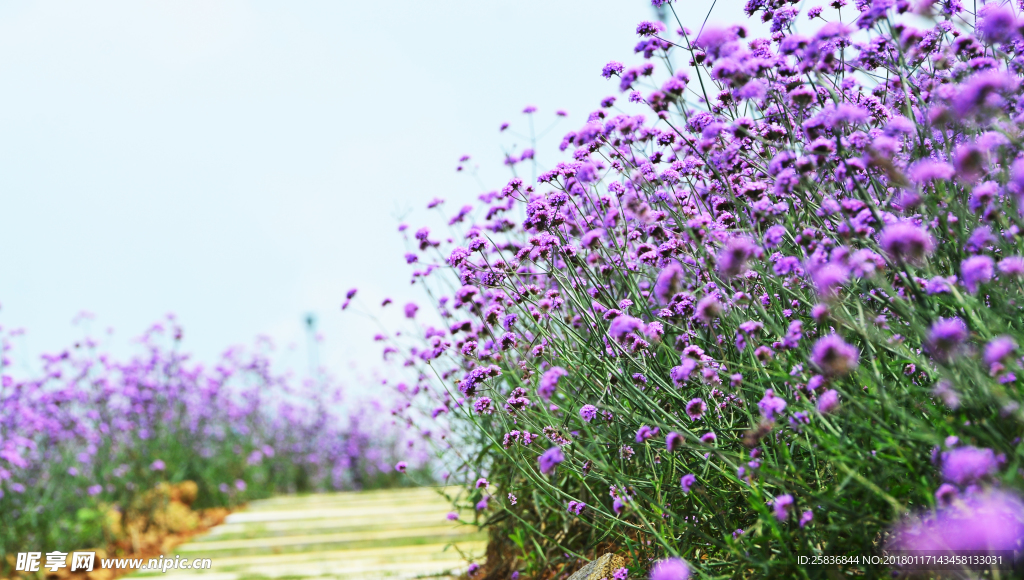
point(242, 163)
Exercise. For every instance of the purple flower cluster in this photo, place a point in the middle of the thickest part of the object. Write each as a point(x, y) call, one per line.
point(805, 243)
point(90, 431)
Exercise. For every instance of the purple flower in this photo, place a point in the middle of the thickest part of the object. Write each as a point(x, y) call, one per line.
point(708, 438)
point(687, 481)
point(400, 466)
point(976, 270)
point(549, 381)
point(999, 348)
point(783, 504)
point(483, 504)
point(946, 494)
point(695, 409)
point(834, 356)
point(576, 507)
point(906, 241)
point(928, 170)
point(828, 402)
point(669, 282)
point(588, 412)
point(644, 433)
point(550, 459)
point(733, 258)
point(612, 68)
point(999, 24)
point(944, 390)
point(708, 308)
point(680, 374)
point(945, 337)
point(1012, 266)
point(939, 285)
point(618, 506)
point(483, 406)
point(670, 569)
point(819, 312)
point(410, 310)
point(774, 236)
point(806, 517)
point(158, 465)
point(770, 405)
point(452, 516)
point(975, 93)
point(829, 277)
point(624, 325)
point(965, 465)
point(458, 256)
point(673, 441)
point(351, 293)
point(647, 28)
point(990, 521)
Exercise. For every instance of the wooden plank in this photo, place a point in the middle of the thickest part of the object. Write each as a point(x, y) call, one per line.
point(393, 534)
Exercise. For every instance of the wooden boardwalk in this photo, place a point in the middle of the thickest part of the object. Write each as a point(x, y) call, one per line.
point(392, 534)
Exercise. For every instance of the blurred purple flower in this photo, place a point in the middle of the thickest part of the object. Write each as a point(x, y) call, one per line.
point(687, 481)
point(550, 459)
point(834, 356)
point(976, 270)
point(992, 520)
point(828, 402)
point(965, 465)
point(673, 441)
point(782, 506)
point(670, 569)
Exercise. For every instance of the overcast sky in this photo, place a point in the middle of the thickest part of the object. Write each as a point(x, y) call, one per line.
point(244, 163)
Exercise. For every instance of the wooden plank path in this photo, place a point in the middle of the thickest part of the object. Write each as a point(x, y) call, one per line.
point(393, 534)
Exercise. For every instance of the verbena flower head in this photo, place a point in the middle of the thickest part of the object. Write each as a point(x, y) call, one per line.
point(670, 569)
point(906, 241)
point(945, 337)
point(828, 402)
point(965, 465)
point(644, 433)
point(770, 405)
point(782, 506)
point(687, 481)
point(673, 441)
point(999, 348)
point(733, 259)
point(624, 325)
point(695, 408)
point(550, 459)
point(834, 356)
point(612, 68)
point(549, 381)
point(991, 520)
point(669, 283)
point(588, 413)
point(975, 271)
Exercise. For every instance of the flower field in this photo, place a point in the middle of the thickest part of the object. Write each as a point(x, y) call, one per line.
point(767, 306)
point(97, 452)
